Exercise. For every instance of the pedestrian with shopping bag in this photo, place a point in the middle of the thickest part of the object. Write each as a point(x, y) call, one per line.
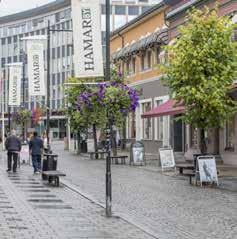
point(36, 150)
point(13, 147)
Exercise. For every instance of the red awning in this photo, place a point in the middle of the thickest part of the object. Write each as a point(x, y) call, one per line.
point(167, 108)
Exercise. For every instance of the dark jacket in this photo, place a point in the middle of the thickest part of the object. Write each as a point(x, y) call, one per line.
point(36, 145)
point(13, 144)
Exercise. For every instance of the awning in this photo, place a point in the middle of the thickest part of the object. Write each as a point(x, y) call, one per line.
point(167, 108)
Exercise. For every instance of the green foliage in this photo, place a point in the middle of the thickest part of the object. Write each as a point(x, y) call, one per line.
point(201, 69)
point(21, 116)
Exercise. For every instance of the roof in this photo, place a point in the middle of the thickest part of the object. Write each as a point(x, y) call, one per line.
point(170, 107)
point(141, 17)
point(58, 4)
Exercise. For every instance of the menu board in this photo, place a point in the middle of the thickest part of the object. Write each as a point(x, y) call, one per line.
point(166, 158)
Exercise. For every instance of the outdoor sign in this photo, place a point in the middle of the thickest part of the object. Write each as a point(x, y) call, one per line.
point(137, 156)
point(15, 74)
point(166, 158)
point(88, 58)
point(207, 169)
point(35, 59)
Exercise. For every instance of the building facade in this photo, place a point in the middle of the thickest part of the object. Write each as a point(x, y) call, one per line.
point(137, 51)
point(223, 141)
point(34, 22)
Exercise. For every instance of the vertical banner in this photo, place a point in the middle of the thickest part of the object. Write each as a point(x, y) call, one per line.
point(35, 59)
point(15, 74)
point(86, 19)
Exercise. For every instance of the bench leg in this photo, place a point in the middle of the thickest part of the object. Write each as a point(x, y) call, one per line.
point(181, 170)
point(57, 181)
point(50, 179)
point(190, 179)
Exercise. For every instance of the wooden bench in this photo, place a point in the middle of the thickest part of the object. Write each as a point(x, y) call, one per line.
point(101, 154)
point(181, 167)
point(53, 175)
point(122, 158)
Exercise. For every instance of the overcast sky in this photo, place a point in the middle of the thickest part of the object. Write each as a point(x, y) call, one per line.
point(13, 6)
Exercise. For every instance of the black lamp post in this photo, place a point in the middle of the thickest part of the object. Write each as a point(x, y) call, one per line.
point(107, 79)
point(49, 30)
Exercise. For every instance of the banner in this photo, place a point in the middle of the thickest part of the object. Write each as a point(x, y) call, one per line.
point(35, 59)
point(86, 19)
point(14, 93)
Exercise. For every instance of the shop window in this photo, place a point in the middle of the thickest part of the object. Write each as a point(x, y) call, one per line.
point(158, 55)
point(230, 134)
point(133, 65)
point(146, 126)
point(149, 59)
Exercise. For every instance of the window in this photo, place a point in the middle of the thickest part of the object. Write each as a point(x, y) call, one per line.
point(120, 10)
point(128, 66)
point(53, 53)
point(63, 51)
point(15, 39)
point(103, 9)
point(158, 55)
point(3, 40)
point(133, 10)
point(149, 59)
point(146, 60)
point(146, 124)
point(53, 79)
point(14, 58)
point(131, 125)
point(3, 61)
point(58, 52)
point(145, 8)
point(9, 40)
point(133, 65)
point(230, 134)
point(9, 60)
point(143, 56)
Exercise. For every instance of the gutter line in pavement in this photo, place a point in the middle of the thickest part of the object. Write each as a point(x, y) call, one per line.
point(102, 205)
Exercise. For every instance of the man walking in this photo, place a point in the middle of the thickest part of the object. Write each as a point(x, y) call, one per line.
point(36, 149)
point(13, 147)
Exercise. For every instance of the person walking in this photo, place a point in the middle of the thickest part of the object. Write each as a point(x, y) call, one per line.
point(36, 149)
point(13, 147)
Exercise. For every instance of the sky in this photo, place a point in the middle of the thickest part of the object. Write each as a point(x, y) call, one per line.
point(13, 6)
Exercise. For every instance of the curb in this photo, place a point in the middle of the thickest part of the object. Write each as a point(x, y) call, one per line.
point(123, 216)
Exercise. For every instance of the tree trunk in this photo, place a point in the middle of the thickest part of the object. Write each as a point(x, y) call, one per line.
point(203, 146)
point(95, 141)
point(216, 141)
point(123, 142)
point(78, 142)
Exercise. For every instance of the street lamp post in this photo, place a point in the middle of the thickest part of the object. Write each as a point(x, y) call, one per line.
point(107, 79)
point(49, 30)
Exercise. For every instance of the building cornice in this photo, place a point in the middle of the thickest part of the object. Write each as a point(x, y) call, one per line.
point(44, 9)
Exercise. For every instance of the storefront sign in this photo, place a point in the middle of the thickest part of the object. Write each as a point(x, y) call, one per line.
point(15, 74)
point(166, 158)
point(88, 58)
point(35, 53)
point(207, 169)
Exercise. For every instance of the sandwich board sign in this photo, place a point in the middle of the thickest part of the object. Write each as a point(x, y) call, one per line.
point(166, 158)
point(207, 169)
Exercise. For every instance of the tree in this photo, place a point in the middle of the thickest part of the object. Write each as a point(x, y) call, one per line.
point(201, 69)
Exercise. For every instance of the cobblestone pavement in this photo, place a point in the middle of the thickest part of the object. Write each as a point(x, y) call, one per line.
point(30, 208)
point(167, 207)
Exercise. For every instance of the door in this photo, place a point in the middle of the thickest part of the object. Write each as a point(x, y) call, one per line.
point(178, 135)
